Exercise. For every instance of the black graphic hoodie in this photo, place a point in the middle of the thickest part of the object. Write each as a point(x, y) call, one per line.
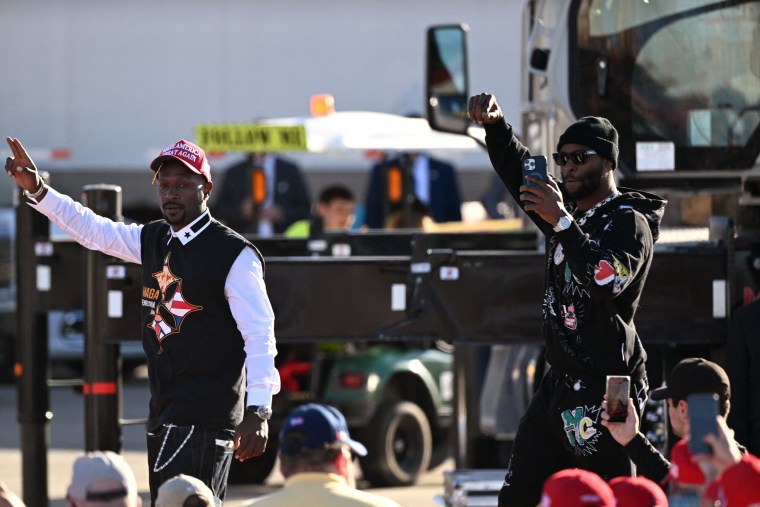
point(595, 272)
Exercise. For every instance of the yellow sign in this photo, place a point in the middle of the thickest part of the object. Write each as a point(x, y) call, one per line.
point(251, 137)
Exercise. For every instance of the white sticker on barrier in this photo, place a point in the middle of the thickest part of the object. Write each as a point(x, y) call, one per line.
point(116, 272)
point(398, 297)
point(115, 304)
point(719, 299)
point(449, 273)
point(341, 250)
point(43, 249)
point(419, 268)
point(44, 277)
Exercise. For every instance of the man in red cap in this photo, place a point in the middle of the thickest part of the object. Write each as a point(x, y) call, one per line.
point(207, 324)
point(599, 241)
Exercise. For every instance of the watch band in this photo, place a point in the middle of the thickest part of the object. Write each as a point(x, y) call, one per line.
point(263, 411)
point(564, 223)
point(37, 192)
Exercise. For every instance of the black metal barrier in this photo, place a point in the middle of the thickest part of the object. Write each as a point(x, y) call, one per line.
point(467, 289)
point(31, 366)
point(61, 275)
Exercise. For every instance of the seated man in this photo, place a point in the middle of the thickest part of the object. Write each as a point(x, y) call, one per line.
point(185, 491)
point(316, 461)
point(102, 477)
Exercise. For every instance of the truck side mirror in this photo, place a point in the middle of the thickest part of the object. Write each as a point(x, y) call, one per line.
point(446, 78)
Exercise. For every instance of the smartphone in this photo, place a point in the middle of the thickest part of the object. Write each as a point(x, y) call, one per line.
point(703, 415)
point(536, 167)
point(618, 389)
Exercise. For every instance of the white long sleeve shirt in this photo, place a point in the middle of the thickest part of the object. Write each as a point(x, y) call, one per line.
point(244, 287)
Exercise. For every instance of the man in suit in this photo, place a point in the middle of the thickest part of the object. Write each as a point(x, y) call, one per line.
point(262, 195)
point(434, 184)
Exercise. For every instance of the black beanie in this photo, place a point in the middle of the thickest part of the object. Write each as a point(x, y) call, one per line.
point(595, 132)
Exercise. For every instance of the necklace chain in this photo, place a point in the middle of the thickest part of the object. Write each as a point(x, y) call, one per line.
point(588, 214)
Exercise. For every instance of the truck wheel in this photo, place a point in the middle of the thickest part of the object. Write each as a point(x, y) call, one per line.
point(254, 470)
point(399, 445)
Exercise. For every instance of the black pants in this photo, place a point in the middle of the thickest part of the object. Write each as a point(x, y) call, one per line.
point(562, 429)
point(204, 454)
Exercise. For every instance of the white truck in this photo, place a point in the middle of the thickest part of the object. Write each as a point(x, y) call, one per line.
point(680, 79)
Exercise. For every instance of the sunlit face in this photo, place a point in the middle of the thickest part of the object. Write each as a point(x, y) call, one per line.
point(337, 214)
point(182, 194)
point(582, 180)
point(678, 417)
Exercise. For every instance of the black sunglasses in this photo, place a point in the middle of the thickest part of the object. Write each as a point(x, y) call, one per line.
point(578, 157)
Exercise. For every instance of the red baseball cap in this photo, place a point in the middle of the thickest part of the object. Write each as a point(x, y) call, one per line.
point(574, 487)
point(738, 484)
point(189, 154)
point(638, 492)
point(682, 469)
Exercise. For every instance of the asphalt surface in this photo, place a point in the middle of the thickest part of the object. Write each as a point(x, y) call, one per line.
point(66, 440)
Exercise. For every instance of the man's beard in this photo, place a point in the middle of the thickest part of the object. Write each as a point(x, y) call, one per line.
point(586, 185)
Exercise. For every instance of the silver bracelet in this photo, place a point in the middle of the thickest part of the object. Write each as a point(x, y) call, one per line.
point(37, 194)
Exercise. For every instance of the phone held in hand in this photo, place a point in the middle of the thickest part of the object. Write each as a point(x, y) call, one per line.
point(703, 420)
point(618, 389)
point(536, 167)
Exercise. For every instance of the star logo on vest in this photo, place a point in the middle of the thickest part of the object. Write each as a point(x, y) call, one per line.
point(172, 307)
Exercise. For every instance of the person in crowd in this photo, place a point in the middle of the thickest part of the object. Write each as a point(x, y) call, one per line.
point(316, 459)
point(743, 368)
point(102, 478)
point(414, 216)
point(738, 473)
point(575, 487)
point(185, 491)
point(599, 247)
point(691, 375)
point(433, 181)
point(637, 492)
point(207, 323)
point(264, 195)
point(334, 211)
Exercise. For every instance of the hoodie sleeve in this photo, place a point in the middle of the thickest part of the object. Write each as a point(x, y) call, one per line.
point(648, 460)
point(609, 263)
point(506, 153)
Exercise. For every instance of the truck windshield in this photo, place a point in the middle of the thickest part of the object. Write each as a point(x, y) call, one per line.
point(680, 71)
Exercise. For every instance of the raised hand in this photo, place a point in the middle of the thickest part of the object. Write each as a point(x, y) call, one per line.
point(483, 108)
point(21, 168)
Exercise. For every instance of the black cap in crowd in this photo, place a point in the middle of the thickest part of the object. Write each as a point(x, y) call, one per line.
point(695, 375)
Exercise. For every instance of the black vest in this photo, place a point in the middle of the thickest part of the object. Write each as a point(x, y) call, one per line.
point(194, 349)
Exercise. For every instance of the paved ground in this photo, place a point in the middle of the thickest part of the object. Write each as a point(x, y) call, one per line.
point(67, 441)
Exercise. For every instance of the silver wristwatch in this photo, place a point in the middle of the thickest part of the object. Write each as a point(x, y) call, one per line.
point(264, 412)
point(564, 223)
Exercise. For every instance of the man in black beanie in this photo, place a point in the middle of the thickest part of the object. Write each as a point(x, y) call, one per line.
point(599, 241)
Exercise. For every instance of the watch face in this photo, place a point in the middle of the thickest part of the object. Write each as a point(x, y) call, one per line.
point(264, 412)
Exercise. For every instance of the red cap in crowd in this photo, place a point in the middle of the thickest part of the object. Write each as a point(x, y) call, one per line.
point(574, 487)
point(739, 485)
point(638, 492)
point(189, 154)
point(682, 469)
